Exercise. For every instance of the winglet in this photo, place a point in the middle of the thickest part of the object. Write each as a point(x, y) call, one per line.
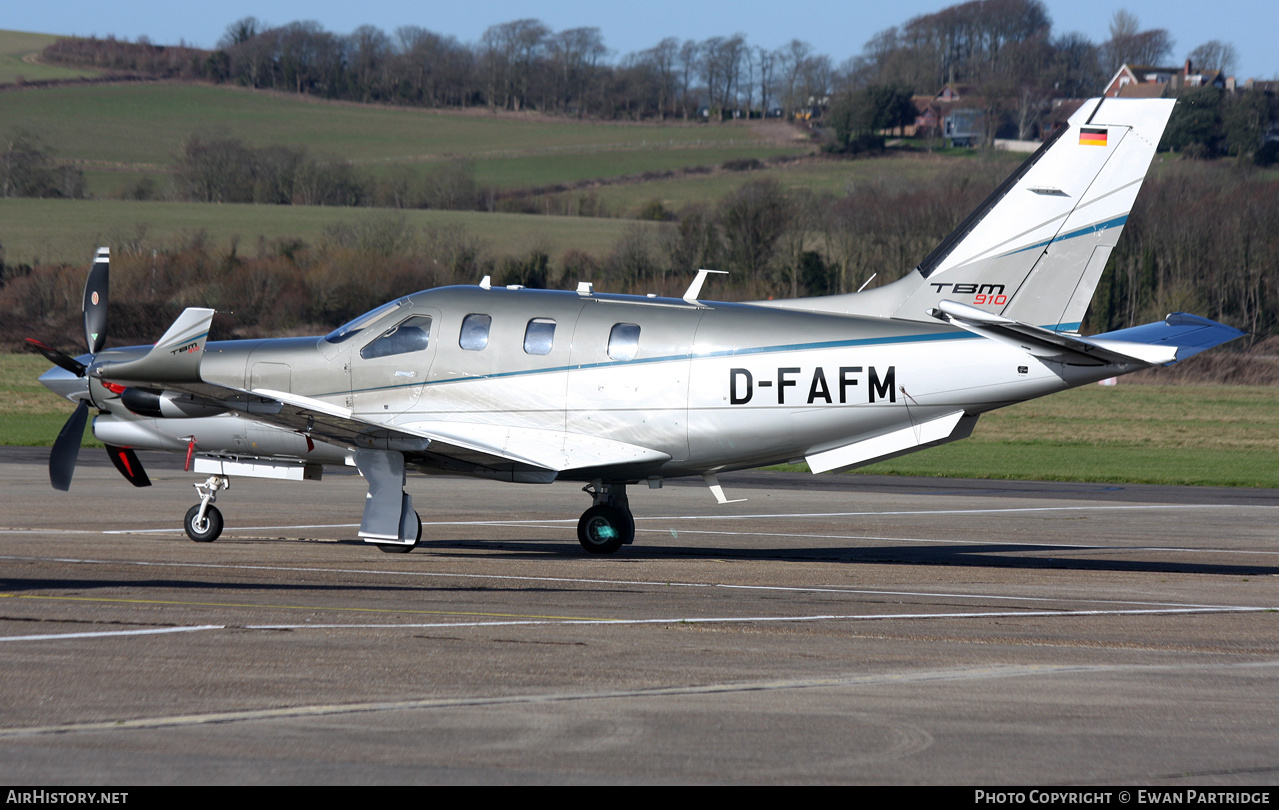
point(175, 358)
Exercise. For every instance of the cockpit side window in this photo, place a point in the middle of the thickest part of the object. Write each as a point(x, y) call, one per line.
point(411, 335)
point(539, 336)
point(353, 327)
point(475, 332)
point(623, 341)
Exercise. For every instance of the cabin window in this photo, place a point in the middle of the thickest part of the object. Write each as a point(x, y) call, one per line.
point(539, 336)
point(623, 341)
point(412, 335)
point(475, 332)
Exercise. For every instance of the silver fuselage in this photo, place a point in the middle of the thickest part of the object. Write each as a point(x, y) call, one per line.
point(710, 386)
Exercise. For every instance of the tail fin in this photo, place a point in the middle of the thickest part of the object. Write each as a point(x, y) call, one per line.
point(1035, 249)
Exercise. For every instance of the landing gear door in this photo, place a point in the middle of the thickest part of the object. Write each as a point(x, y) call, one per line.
point(389, 370)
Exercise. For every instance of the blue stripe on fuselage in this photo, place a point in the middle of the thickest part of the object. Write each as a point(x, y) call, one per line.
point(791, 347)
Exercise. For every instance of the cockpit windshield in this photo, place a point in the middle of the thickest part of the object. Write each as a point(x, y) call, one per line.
point(352, 328)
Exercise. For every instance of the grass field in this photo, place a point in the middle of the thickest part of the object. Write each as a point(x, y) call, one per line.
point(544, 170)
point(1219, 435)
point(141, 128)
point(1225, 436)
point(820, 175)
point(15, 45)
point(71, 230)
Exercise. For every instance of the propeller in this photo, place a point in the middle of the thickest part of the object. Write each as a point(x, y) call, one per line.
point(58, 358)
point(66, 449)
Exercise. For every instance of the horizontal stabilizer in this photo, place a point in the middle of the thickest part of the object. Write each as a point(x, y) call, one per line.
point(175, 358)
point(1186, 334)
point(1109, 349)
point(945, 428)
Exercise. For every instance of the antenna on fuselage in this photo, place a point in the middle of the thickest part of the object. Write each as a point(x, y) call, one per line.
point(867, 281)
point(695, 289)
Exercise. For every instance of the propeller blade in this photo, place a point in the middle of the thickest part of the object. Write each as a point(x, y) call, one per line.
point(57, 358)
point(126, 461)
point(95, 301)
point(67, 448)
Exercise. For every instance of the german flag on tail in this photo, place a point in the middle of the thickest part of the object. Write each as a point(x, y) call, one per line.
point(1092, 137)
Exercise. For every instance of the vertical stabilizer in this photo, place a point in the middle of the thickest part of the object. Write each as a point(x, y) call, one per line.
point(1035, 248)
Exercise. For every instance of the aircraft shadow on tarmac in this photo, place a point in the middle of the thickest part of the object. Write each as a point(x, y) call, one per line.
point(993, 555)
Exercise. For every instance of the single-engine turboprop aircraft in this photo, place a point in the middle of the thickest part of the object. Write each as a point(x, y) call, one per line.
point(535, 386)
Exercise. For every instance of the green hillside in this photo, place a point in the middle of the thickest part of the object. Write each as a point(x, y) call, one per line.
point(141, 128)
point(16, 51)
point(70, 230)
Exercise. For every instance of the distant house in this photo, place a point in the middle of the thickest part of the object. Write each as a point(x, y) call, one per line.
point(1058, 116)
point(1146, 81)
point(956, 113)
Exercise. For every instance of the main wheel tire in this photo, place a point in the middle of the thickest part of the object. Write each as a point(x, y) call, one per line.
point(604, 529)
point(207, 532)
point(388, 548)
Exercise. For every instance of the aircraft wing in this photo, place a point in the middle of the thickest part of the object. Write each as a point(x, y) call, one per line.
point(526, 453)
point(1155, 344)
point(484, 445)
point(553, 449)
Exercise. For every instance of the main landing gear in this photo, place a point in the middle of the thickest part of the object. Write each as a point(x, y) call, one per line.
point(403, 548)
point(203, 522)
point(608, 525)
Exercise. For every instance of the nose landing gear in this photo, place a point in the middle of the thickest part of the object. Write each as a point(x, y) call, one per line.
point(203, 522)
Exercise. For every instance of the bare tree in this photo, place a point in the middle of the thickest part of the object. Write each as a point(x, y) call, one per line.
point(767, 61)
point(690, 58)
point(575, 55)
point(240, 31)
point(754, 218)
point(511, 50)
point(1215, 55)
point(1128, 44)
point(1076, 68)
point(791, 61)
point(368, 51)
point(663, 59)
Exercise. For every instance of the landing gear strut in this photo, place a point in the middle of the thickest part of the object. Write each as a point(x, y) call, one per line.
point(203, 522)
point(608, 525)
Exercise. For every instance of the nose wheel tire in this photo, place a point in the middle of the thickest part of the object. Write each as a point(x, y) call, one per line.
point(205, 531)
point(604, 529)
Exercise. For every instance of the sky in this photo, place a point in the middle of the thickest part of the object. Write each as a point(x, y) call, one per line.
point(837, 28)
